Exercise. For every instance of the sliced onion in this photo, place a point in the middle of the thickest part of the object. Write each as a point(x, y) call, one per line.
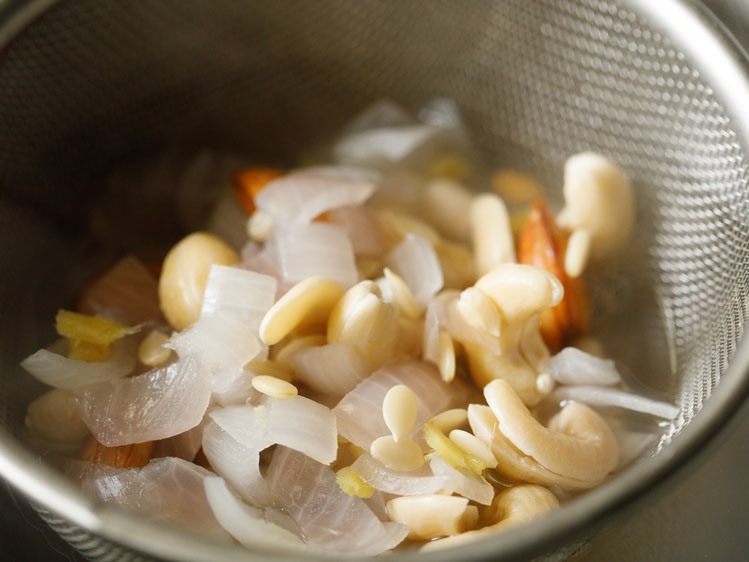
point(382, 113)
point(228, 220)
point(574, 366)
point(299, 197)
point(167, 489)
point(328, 516)
point(245, 294)
point(183, 446)
point(219, 342)
point(359, 413)
point(333, 369)
point(246, 524)
point(382, 478)
point(598, 396)
point(57, 370)
point(126, 292)
point(156, 405)
point(316, 249)
point(434, 321)
point(232, 386)
point(387, 145)
point(415, 260)
point(463, 482)
point(298, 423)
point(238, 464)
point(362, 228)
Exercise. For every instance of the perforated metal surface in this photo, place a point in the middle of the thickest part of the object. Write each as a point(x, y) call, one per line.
point(92, 84)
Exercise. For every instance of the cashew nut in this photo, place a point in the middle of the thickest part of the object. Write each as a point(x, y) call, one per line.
point(578, 443)
point(510, 461)
point(184, 275)
point(512, 507)
point(362, 319)
point(515, 296)
point(598, 199)
point(434, 515)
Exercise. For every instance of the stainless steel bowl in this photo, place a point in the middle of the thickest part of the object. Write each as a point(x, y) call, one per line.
point(659, 86)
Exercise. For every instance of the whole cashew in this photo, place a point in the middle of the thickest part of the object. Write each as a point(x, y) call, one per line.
point(512, 507)
point(516, 294)
point(578, 443)
point(510, 461)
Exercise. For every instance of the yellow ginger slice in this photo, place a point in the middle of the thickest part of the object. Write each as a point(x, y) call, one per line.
point(450, 452)
point(351, 483)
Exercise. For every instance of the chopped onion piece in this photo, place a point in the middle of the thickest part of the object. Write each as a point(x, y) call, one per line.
point(597, 396)
point(463, 482)
point(316, 249)
point(183, 446)
point(375, 147)
point(232, 386)
point(359, 413)
point(228, 219)
point(382, 113)
point(299, 197)
point(327, 515)
point(333, 369)
point(244, 523)
point(238, 464)
point(126, 292)
point(574, 366)
point(57, 370)
point(382, 478)
point(155, 405)
point(221, 341)
point(415, 260)
point(361, 227)
point(167, 489)
point(434, 321)
point(298, 423)
point(245, 294)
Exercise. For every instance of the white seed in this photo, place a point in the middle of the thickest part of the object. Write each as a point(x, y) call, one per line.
point(450, 419)
point(401, 294)
point(399, 408)
point(151, 350)
point(491, 232)
point(184, 275)
point(309, 302)
point(447, 357)
point(404, 455)
point(577, 253)
point(545, 383)
point(472, 445)
point(260, 226)
point(274, 387)
point(447, 204)
point(433, 515)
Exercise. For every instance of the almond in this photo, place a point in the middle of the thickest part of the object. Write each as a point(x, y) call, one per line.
point(251, 181)
point(135, 455)
point(543, 244)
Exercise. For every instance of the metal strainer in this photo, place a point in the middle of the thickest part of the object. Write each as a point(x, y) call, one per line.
point(657, 86)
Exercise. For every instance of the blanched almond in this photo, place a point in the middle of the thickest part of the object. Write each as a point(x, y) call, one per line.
point(542, 244)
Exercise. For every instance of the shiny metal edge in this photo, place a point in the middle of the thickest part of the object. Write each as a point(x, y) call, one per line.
point(716, 56)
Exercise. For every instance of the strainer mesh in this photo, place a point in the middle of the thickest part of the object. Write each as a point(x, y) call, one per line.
point(94, 83)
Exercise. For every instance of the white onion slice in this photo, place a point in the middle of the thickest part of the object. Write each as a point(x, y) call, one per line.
point(299, 197)
point(228, 219)
point(328, 516)
point(333, 369)
point(359, 413)
point(574, 366)
point(127, 292)
point(239, 465)
point(155, 405)
point(463, 482)
point(361, 227)
point(57, 370)
point(382, 478)
point(221, 341)
point(183, 446)
point(415, 260)
point(434, 321)
point(231, 387)
point(246, 524)
point(298, 423)
point(316, 249)
point(245, 294)
point(597, 396)
point(167, 489)
point(382, 113)
point(380, 146)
